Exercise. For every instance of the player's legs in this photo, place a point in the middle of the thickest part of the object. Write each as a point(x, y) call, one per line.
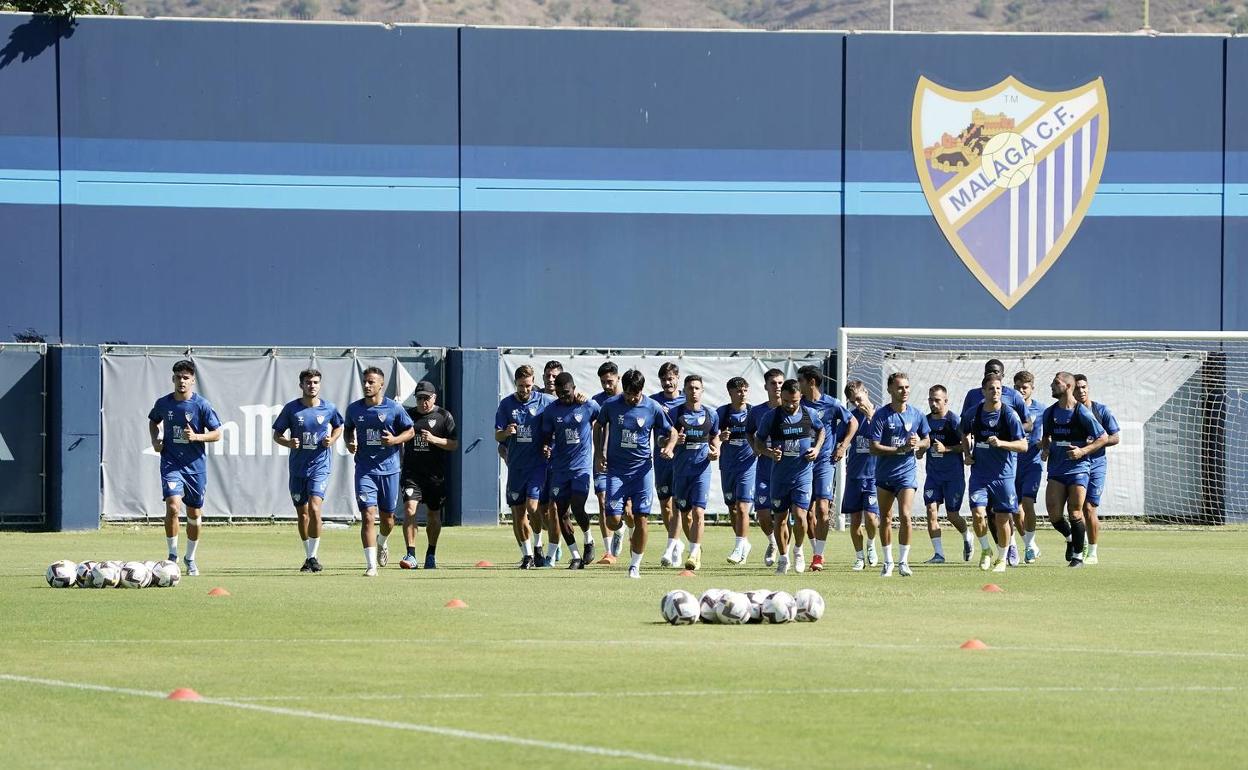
point(886, 497)
point(411, 508)
point(905, 504)
point(637, 494)
point(193, 485)
point(384, 527)
point(1075, 499)
point(173, 506)
point(1055, 494)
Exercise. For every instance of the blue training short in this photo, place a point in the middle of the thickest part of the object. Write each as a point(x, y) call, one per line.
point(738, 486)
point(1070, 480)
point(1096, 485)
point(1027, 480)
point(184, 484)
point(634, 487)
point(821, 482)
point(377, 490)
point(600, 483)
point(789, 492)
point(303, 490)
point(691, 491)
point(664, 476)
point(997, 495)
point(525, 484)
point(565, 484)
point(860, 496)
point(895, 485)
point(946, 493)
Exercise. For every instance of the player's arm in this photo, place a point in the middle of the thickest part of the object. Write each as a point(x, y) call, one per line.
point(968, 445)
point(207, 437)
point(880, 450)
point(842, 447)
point(279, 438)
point(600, 446)
point(1111, 428)
point(1078, 453)
point(153, 431)
point(714, 448)
point(815, 448)
point(349, 432)
point(335, 433)
point(669, 445)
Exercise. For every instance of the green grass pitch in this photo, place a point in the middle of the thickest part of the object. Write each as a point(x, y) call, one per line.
point(1140, 662)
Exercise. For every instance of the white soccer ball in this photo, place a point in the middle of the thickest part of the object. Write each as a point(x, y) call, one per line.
point(83, 575)
point(166, 574)
point(756, 603)
point(732, 609)
point(62, 574)
point(105, 574)
point(779, 607)
point(1005, 161)
point(809, 605)
point(135, 574)
point(680, 608)
point(706, 605)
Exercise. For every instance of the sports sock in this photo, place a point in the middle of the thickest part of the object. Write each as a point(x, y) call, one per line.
point(905, 553)
point(819, 544)
point(800, 551)
point(888, 554)
point(671, 545)
point(307, 551)
point(1029, 539)
point(576, 553)
point(526, 548)
point(1091, 549)
point(695, 549)
point(985, 544)
point(537, 541)
point(858, 554)
point(411, 551)
point(771, 539)
point(172, 544)
point(370, 556)
point(1076, 537)
point(1013, 540)
point(550, 551)
point(1063, 526)
point(967, 535)
point(936, 544)
point(430, 550)
point(589, 536)
point(381, 541)
point(314, 544)
point(191, 545)
point(635, 560)
point(739, 543)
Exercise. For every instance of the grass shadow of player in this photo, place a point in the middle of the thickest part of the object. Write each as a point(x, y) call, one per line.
point(29, 40)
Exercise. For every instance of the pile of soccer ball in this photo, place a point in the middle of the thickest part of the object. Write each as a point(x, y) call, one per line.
point(113, 574)
point(681, 608)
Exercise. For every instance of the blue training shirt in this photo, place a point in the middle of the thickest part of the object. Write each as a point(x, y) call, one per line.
point(1035, 412)
point(177, 453)
point(794, 433)
point(370, 422)
point(629, 433)
point(524, 449)
point(1110, 423)
point(311, 425)
point(892, 428)
point(693, 456)
point(753, 420)
point(835, 418)
point(569, 431)
point(735, 455)
point(944, 466)
point(860, 463)
point(1010, 397)
point(1066, 428)
point(992, 464)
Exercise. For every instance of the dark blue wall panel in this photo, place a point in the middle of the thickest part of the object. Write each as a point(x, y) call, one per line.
point(1235, 274)
point(650, 162)
point(29, 187)
point(1148, 252)
point(244, 162)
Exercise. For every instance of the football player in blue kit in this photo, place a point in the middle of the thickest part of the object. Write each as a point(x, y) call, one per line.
point(693, 445)
point(839, 429)
point(859, 500)
point(791, 435)
point(773, 379)
point(994, 437)
point(515, 427)
point(668, 399)
point(945, 483)
point(314, 425)
point(737, 465)
point(567, 434)
point(897, 432)
point(178, 426)
point(624, 436)
point(1096, 474)
point(1030, 470)
point(609, 378)
point(1071, 434)
point(376, 429)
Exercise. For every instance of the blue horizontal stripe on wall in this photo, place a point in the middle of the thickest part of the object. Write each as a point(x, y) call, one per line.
point(27, 151)
point(1237, 200)
point(667, 164)
point(1110, 200)
point(1124, 166)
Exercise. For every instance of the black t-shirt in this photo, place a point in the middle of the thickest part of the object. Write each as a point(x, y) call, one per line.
point(419, 457)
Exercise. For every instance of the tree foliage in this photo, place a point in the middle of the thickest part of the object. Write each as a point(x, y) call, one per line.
point(66, 8)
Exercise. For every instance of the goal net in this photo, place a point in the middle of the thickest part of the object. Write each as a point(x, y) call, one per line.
point(1179, 399)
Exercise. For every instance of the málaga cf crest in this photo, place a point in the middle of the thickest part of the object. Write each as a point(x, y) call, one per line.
point(1009, 173)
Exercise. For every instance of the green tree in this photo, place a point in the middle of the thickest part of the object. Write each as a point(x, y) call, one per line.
point(67, 8)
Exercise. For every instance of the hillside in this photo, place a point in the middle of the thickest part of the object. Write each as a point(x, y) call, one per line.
point(971, 15)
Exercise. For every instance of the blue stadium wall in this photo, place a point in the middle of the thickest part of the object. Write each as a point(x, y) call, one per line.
point(178, 182)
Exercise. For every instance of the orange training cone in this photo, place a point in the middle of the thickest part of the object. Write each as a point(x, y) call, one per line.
point(183, 693)
point(686, 573)
point(218, 591)
point(456, 604)
point(974, 644)
point(993, 588)
point(484, 563)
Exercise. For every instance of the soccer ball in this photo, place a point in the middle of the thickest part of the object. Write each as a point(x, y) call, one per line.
point(732, 609)
point(706, 605)
point(82, 575)
point(62, 574)
point(105, 574)
point(809, 605)
point(680, 608)
point(1004, 161)
point(756, 604)
point(166, 574)
point(135, 574)
point(779, 607)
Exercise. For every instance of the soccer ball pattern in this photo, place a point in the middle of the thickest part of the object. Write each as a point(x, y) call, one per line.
point(166, 574)
point(135, 574)
point(111, 574)
point(680, 608)
point(732, 608)
point(707, 604)
point(779, 607)
point(62, 574)
point(105, 574)
point(756, 598)
point(809, 605)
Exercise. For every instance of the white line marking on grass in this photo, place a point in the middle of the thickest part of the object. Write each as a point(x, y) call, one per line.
point(448, 732)
point(691, 641)
point(735, 693)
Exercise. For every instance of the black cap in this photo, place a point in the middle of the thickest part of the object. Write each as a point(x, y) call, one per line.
point(425, 386)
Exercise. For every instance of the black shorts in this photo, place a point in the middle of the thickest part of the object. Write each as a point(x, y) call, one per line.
point(429, 490)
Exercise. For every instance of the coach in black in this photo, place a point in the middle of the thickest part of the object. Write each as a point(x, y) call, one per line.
point(424, 471)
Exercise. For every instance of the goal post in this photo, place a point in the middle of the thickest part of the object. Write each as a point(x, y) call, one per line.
point(1180, 398)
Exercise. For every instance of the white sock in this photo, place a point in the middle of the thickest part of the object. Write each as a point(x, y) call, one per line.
point(314, 544)
point(888, 554)
point(550, 550)
point(576, 554)
point(635, 561)
point(695, 549)
point(819, 544)
point(671, 545)
point(172, 544)
point(1091, 549)
point(771, 539)
point(589, 536)
point(526, 548)
point(966, 535)
point(537, 541)
point(370, 556)
point(1013, 540)
point(191, 545)
point(936, 544)
point(307, 552)
point(858, 554)
point(985, 544)
point(1070, 538)
point(381, 541)
point(1029, 539)
point(739, 543)
point(905, 553)
point(801, 550)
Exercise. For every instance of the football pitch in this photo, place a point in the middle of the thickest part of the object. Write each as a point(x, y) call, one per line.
point(1138, 662)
